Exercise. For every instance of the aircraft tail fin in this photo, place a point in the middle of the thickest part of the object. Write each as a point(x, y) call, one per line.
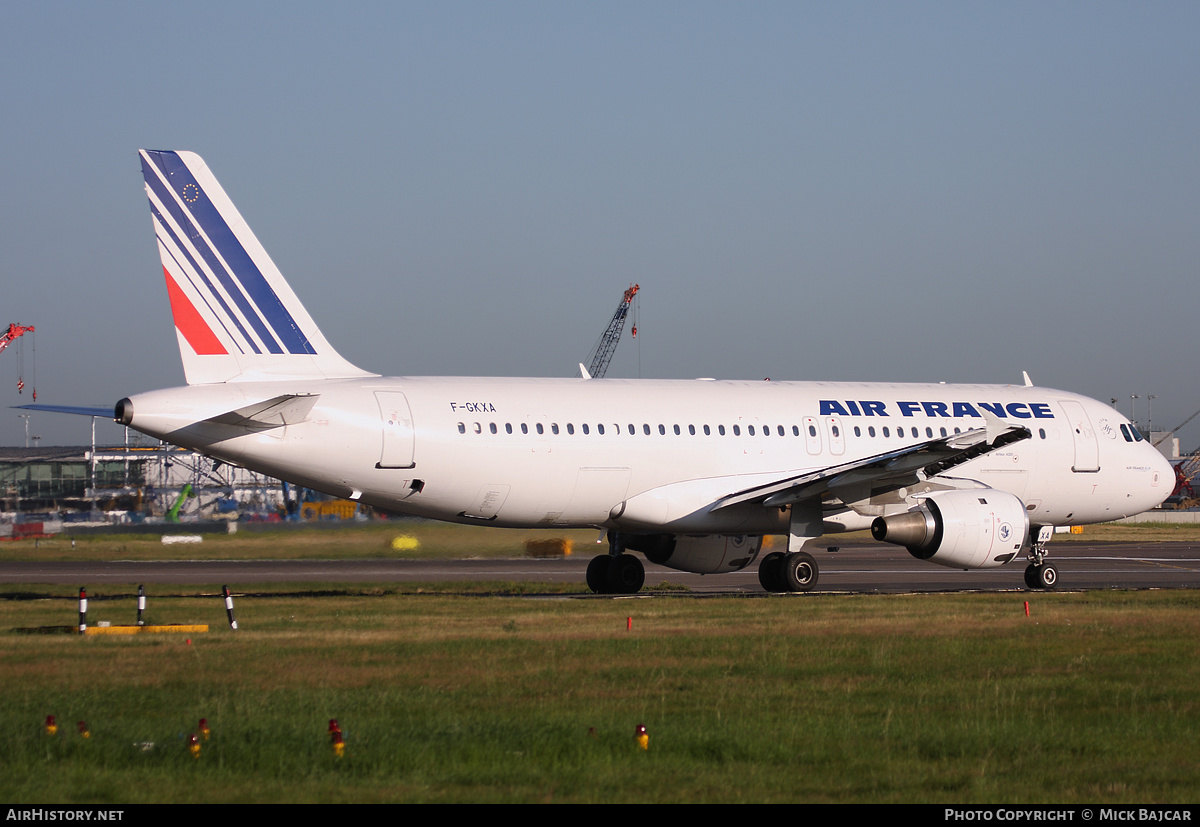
point(236, 318)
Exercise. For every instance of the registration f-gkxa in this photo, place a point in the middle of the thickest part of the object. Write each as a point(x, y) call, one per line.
point(691, 474)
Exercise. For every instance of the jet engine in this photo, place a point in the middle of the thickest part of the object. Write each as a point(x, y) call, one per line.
point(968, 529)
point(697, 553)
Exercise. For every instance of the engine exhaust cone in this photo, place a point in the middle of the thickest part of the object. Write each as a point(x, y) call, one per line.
point(913, 529)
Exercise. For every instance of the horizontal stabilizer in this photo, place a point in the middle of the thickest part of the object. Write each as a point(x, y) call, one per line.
point(107, 412)
point(289, 409)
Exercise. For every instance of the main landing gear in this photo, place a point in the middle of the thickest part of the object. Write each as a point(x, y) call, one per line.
point(794, 572)
point(1040, 574)
point(615, 574)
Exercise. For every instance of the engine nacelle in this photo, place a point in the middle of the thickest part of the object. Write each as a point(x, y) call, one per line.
point(697, 553)
point(964, 529)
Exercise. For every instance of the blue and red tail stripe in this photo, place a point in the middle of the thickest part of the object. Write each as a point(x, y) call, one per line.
point(190, 323)
point(192, 214)
point(211, 297)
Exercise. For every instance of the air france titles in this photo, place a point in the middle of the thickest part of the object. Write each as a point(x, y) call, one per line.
point(944, 410)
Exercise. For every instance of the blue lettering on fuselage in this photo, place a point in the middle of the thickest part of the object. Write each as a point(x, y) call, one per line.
point(832, 407)
point(944, 410)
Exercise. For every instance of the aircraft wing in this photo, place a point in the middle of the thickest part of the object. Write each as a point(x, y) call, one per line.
point(903, 466)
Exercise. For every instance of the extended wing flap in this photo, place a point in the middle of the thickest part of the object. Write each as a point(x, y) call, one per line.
point(898, 467)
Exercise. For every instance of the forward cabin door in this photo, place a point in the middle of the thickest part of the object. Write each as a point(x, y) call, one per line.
point(1087, 450)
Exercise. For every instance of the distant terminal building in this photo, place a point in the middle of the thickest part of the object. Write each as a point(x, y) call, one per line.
point(130, 484)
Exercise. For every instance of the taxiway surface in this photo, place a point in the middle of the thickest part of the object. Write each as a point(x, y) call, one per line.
point(867, 568)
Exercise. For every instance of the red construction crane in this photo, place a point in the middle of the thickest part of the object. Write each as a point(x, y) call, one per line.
point(15, 331)
point(602, 353)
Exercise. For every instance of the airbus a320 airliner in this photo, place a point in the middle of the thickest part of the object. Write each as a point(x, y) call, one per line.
point(691, 474)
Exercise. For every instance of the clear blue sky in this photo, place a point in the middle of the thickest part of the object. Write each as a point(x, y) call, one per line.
point(869, 191)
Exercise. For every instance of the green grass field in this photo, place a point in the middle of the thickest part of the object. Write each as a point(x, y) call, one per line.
point(1093, 698)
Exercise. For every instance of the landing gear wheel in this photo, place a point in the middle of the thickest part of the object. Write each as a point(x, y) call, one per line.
point(1047, 576)
point(1031, 578)
point(597, 573)
point(1041, 576)
point(799, 572)
point(625, 575)
point(769, 575)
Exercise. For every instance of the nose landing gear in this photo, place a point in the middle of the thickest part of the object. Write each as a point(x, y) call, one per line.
point(1040, 574)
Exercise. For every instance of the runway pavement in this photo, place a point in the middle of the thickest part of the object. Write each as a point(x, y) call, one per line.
point(867, 568)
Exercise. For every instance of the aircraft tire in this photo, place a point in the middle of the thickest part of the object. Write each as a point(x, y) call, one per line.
point(768, 572)
point(1031, 576)
point(626, 575)
point(1047, 576)
point(799, 572)
point(597, 573)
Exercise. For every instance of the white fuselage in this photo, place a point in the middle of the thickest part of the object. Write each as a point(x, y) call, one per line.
point(644, 455)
